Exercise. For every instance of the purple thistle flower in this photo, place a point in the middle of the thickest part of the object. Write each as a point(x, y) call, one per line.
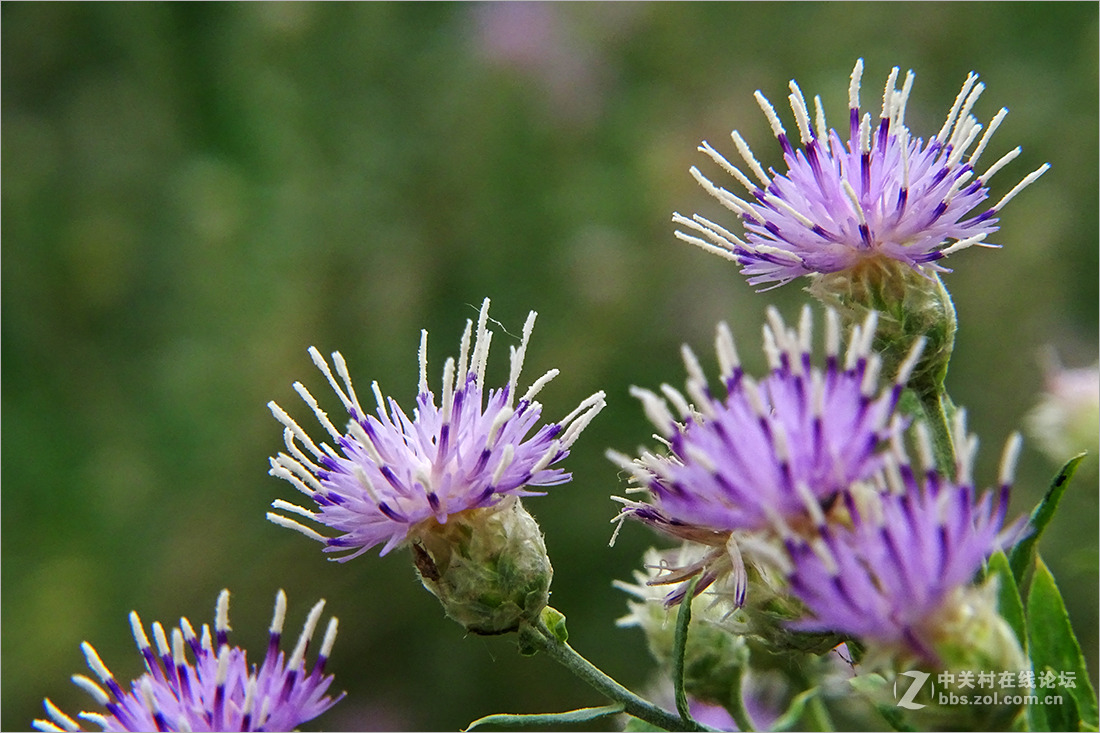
point(218, 692)
point(391, 473)
point(883, 195)
point(887, 577)
point(771, 454)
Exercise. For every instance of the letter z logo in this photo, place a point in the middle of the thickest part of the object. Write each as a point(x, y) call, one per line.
point(906, 700)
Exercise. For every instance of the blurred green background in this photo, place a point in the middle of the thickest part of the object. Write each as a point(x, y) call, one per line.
point(195, 193)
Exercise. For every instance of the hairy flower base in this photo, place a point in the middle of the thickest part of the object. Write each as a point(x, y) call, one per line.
point(911, 306)
point(216, 692)
point(488, 567)
point(881, 194)
point(390, 473)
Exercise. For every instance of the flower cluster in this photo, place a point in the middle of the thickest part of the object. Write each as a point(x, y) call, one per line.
point(882, 195)
point(391, 476)
point(772, 454)
point(804, 475)
point(218, 691)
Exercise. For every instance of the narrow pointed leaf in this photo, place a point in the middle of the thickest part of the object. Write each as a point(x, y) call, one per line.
point(1021, 555)
point(514, 722)
point(1054, 647)
point(1009, 604)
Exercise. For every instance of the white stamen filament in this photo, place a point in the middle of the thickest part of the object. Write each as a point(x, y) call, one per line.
point(853, 85)
point(89, 686)
point(342, 371)
point(725, 252)
point(506, 455)
point(993, 125)
point(221, 612)
point(728, 167)
point(832, 332)
point(296, 429)
point(853, 199)
point(1001, 163)
point(249, 696)
point(731, 202)
point(950, 121)
point(769, 112)
point(902, 99)
point(819, 120)
point(422, 357)
point(518, 356)
point(63, 721)
point(464, 349)
point(307, 634)
point(677, 399)
point(481, 345)
point(448, 398)
point(161, 639)
point(574, 430)
point(728, 361)
point(746, 154)
point(865, 133)
point(294, 509)
point(964, 113)
point(977, 239)
point(279, 615)
point(1028, 180)
point(313, 405)
point(138, 631)
point(888, 94)
point(291, 524)
point(906, 367)
point(801, 112)
point(538, 384)
point(330, 637)
point(1007, 472)
point(280, 471)
point(95, 663)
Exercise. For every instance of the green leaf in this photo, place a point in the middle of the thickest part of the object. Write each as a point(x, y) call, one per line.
point(1020, 557)
point(1009, 604)
point(1054, 648)
point(512, 722)
point(679, 648)
point(790, 718)
point(555, 621)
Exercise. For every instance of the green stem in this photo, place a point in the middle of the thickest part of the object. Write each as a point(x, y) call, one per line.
point(935, 416)
point(679, 650)
point(540, 637)
point(737, 708)
point(819, 714)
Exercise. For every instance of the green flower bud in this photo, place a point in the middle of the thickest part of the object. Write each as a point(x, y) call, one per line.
point(911, 305)
point(488, 567)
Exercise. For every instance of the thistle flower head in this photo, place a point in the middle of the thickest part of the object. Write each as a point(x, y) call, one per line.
point(772, 453)
point(389, 477)
point(881, 196)
point(218, 691)
point(895, 577)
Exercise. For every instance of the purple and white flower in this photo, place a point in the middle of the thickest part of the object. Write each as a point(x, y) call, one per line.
point(882, 195)
point(218, 691)
point(391, 475)
point(889, 578)
point(772, 454)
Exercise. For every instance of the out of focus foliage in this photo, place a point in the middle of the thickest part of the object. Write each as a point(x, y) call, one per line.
point(195, 193)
